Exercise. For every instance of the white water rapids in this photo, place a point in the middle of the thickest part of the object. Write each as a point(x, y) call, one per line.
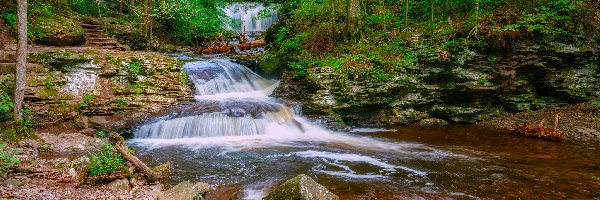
point(234, 113)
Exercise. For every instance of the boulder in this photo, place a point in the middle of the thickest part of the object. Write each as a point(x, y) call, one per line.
point(57, 31)
point(301, 187)
point(119, 184)
point(186, 191)
point(62, 40)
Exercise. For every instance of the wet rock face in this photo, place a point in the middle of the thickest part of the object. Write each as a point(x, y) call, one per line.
point(468, 87)
point(301, 187)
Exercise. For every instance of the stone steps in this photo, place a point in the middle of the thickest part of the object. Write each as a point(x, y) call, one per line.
point(95, 36)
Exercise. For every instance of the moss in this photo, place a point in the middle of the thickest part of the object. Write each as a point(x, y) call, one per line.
point(45, 26)
point(59, 58)
point(10, 136)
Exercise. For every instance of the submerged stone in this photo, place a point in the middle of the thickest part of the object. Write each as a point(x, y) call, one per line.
point(301, 187)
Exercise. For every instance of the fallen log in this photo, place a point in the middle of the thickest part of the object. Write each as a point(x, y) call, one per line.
point(119, 144)
point(251, 44)
point(538, 131)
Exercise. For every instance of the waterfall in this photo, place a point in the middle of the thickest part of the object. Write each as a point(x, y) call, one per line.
point(231, 100)
point(247, 16)
point(223, 78)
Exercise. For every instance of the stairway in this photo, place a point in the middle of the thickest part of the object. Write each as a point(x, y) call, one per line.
point(95, 36)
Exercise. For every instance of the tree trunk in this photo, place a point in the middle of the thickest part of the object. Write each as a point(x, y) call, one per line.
point(21, 58)
point(406, 14)
point(353, 15)
point(148, 19)
point(432, 1)
point(120, 7)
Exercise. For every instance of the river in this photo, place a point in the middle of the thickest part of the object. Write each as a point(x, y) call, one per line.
point(234, 134)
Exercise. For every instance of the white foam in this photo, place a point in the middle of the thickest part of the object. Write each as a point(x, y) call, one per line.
point(257, 94)
point(371, 130)
point(356, 158)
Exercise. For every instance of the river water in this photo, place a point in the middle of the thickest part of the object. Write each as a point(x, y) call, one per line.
point(236, 135)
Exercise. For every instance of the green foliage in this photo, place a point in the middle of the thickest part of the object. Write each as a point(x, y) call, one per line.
point(135, 67)
point(106, 160)
point(183, 77)
point(191, 20)
point(121, 102)
point(94, 7)
point(101, 134)
point(7, 159)
point(597, 102)
point(10, 18)
point(87, 100)
point(6, 101)
point(545, 19)
point(6, 107)
point(49, 81)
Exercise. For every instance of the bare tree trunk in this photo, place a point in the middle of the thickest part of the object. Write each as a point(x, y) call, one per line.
point(120, 7)
point(148, 19)
point(432, 1)
point(353, 15)
point(406, 14)
point(21, 58)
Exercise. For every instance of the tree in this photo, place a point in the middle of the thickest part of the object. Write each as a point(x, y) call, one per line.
point(21, 58)
point(406, 14)
point(353, 15)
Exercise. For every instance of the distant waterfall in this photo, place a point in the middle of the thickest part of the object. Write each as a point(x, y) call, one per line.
point(246, 15)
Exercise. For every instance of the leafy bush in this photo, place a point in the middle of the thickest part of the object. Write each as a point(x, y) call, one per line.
point(94, 7)
point(87, 100)
point(106, 160)
point(121, 102)
point(7, 159)
point(101, 134)
point(135, 68)
point(6, 107)
point(6, 102)
point(191, 20)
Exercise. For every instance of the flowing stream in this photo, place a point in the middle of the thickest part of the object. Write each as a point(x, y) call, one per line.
point(235, 135)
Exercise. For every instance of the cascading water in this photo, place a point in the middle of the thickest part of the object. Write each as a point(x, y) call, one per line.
point(233, 111)
point(248, 16)
point(235, 135)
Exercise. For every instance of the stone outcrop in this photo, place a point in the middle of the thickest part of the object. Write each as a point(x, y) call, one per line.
point(466, 88)
point(57, 31)
point(301, 187)
point(102, 87)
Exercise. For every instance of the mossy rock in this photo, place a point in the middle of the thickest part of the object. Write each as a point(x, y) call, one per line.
point(56, 31)
point(301, 187)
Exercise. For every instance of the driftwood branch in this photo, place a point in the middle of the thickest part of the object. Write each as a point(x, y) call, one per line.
point(119, 144)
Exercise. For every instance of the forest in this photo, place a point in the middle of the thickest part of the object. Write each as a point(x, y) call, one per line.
point(299, 99)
